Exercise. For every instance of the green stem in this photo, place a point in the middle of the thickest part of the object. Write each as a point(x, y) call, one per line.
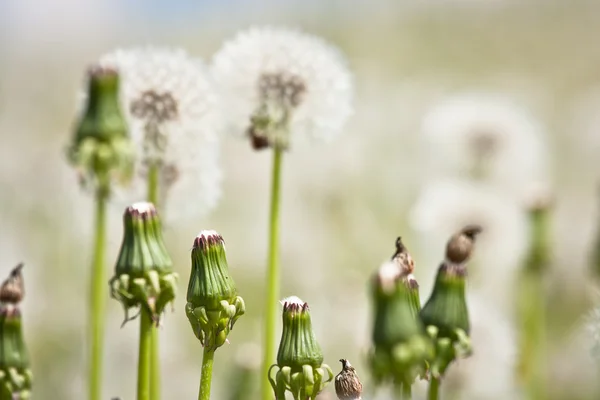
point(406, 391)
point(532, 321)
point(434, 389)
point(143, 383)
point(206, 374)
point(272, 276)
point(154, 364)
point(97, 300)
point(153, 174)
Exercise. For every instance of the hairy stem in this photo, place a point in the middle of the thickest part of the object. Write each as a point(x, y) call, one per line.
point(272, 276)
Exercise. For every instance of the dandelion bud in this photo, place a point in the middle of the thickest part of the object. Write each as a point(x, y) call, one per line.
point(406, 266)
point(445, 314)
point(213, 305)
point(347, 383)
point(100, 146)
point(15, 374)
point(400, 346)
point(143, 274)
point(299, 358)
point(13, 290)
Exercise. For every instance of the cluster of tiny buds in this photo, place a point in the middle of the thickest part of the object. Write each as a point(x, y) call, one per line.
point(155, 107)
point(208, 238)
point(460, 246)
point(141, 209)
point(283, 87)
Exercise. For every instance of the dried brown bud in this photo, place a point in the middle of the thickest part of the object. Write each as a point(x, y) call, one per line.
point(460, 246)
point(403, 259)
point(13, 289)
point(347, 383)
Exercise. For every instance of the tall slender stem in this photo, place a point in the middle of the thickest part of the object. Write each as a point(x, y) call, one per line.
point(97, 299)
point(154, 364)
point(143, 383)
point(406, 391)
point(532, 320)
point(434, 388)
point(206, 374)
point(153, 174)
point(272, 276)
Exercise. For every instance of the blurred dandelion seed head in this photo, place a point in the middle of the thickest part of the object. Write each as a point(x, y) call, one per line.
point(486, 137)
point(446, 206)
point(276, 82)
point(489, 325)
point(169, 101)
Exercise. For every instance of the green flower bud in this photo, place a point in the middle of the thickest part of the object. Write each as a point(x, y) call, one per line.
point(445, 315)
point(400, 346)
point(15, 374)
point(406, 266)
point(299, 359)
point(143, 273)
point(213, 305)
point(446, 309)
point(100, 148)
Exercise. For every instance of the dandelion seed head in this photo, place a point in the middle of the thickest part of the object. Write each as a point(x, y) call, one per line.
point(169, 101)
point(486, 137)
point(444, 207)
point(276, 82)
point(494, 340)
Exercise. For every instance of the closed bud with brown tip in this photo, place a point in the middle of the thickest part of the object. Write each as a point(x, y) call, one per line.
point(13, 289)
point(461, 244)
point(347, 383)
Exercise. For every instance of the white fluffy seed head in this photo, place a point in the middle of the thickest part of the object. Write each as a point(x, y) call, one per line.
point(445, 207)
point(170, 105)
point(485, 136)
point(303, 73)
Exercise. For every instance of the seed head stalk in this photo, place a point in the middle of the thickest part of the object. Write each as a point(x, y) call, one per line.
point(531, 306)
point(97, 300)
point(271, 300)
point(154, 338)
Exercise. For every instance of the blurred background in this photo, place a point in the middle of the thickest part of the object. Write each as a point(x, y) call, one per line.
point(344, 203)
